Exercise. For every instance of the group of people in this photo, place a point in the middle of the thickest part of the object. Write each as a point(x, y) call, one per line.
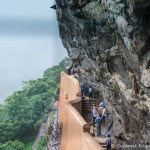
point(99, 115)
point(90, 91)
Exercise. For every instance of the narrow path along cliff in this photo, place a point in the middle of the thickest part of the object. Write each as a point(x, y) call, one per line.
point(108, 43)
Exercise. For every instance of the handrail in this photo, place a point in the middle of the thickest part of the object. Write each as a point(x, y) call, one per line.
point(75, 131)
point(77, 115)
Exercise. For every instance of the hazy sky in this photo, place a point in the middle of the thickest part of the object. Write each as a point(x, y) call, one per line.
point(29, 42)
point(26, 9)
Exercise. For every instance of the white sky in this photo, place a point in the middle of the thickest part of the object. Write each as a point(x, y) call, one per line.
point(29, 42)
point(26, 8)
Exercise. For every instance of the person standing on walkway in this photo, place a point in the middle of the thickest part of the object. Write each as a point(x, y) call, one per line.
point(98, 121)
point(100, 110)
point(94, 115)
point(108, 142)
point(72, 71)
point(104, 114)
point(92, 110)
point(82, 89)
point(90, 93)
point(92, 107)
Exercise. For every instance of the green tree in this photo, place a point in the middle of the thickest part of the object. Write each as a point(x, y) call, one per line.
point(22, 114)
point(16, 145)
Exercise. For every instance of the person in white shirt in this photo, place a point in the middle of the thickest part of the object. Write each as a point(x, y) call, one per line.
point(90, 93)
point(104, 114)
point(94, 115)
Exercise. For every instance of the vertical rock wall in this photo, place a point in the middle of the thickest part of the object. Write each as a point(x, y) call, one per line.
point(109, 41)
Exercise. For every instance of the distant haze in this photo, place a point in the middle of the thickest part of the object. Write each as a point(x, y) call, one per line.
point(29, 42)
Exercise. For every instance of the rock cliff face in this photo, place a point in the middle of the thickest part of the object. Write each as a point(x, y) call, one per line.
point(109, 41)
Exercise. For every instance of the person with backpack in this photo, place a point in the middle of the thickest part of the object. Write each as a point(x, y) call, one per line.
point(72, 71)
point(90, 93)
point(98, 121)
point(108, 142)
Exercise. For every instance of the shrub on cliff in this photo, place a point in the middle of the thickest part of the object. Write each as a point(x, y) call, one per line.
point(41, 145)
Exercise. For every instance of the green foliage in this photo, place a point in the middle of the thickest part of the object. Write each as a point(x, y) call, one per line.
point(28, 142)
point(23, 112)
point(52, 113)
point(16, 145)
point(41, 145)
